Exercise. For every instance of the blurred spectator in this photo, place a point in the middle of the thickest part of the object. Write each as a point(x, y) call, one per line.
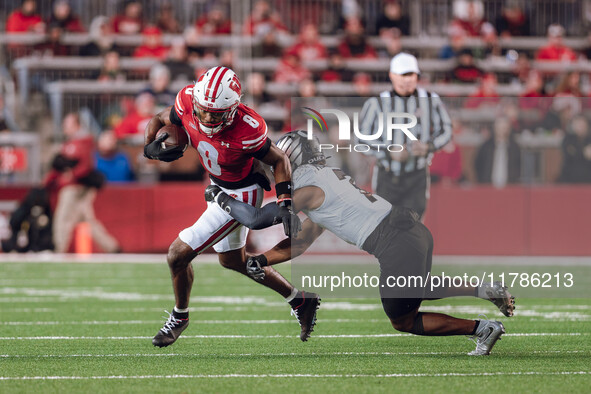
point(392, 43)
point(101, 36)
point(110, 160)
point(392, 17)
point(569, 85)
point(52, 44)
point(534, 96)
point(337, 70)
point(513, 21)
point(214, 22)
point(262, 20)
point(130, 22)
point(469, 16)
point(466, 71)
point(61, 14)
point(457, 37)
point(446, 165)
point(111, 70)
point(25, 19)
point(308, 46)
point(135, 122)
point(522, 68)
point(555, 50)
point(307, 88)
point(159, 86)
point(268, 47)
point(166, 20)
point(587, 51)
point(486, 95)
point(227, 58)
point(576, 153)
point(362, 84)
point(492, 47)
point(290, 69)
point(498, 160)
point(152, 45)
point(354, 44)
point(7, 122)
point(178, 63)
point(255, 90)
point(76, 181)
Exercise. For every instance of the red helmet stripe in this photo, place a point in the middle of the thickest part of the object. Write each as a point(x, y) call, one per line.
point(219, 82)
point(208, 90)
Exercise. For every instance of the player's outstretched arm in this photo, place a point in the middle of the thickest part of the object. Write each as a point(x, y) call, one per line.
point(285, 250)
point(289, 248)
point(251, 217)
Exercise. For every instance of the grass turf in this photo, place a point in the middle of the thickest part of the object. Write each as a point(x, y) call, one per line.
point(89, 328)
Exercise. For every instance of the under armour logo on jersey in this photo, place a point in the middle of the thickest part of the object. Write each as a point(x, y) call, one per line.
point(193, 125)
point(226, 144)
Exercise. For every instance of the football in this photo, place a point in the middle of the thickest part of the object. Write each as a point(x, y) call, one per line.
point(176, 136)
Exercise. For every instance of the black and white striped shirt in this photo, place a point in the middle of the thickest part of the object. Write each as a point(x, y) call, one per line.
point(433, 126)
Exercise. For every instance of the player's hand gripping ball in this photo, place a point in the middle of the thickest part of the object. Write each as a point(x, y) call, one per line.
point(170, 143)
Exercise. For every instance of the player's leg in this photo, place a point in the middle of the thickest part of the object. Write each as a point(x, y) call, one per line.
point(214, 224)
point(232, 255)
point(495, 292)
point(179, 259)
point(415, 247)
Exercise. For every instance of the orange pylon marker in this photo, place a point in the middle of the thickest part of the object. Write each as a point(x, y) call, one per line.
point(83, 240)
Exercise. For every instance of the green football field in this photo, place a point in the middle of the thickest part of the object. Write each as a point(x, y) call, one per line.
point(75, 327)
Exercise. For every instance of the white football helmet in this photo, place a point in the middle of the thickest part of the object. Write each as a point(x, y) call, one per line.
point(216, 96)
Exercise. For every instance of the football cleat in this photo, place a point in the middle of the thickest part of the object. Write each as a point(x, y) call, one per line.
point(486, 336)
point(305, 313)
point(172, 329)
point(498, 295)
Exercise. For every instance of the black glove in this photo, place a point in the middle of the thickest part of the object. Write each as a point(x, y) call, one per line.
point(155, 150)
point(211, 192)
point(291, 221)
point(254, 267)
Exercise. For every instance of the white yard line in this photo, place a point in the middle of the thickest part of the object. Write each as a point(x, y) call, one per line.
point(321, 376)
point(265, 354)
point(532, 334)
point(131, 258)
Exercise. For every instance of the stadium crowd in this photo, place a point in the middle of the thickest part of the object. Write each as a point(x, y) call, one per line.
point(540, 90)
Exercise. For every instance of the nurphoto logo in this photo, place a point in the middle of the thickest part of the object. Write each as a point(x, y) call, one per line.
point(390, 119)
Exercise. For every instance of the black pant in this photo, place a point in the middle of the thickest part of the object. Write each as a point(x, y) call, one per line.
point(407, 190)
point(402, 254)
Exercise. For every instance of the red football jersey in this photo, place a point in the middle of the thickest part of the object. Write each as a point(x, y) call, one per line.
point(226, 155)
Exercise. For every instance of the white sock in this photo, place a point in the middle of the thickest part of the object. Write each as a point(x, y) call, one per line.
point(177, 310)
point(293, 295)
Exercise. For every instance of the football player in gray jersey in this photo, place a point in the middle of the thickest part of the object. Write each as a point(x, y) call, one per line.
point(402, 244)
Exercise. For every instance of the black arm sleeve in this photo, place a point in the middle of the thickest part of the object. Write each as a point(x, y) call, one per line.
point(174, 117)
point(252, 217)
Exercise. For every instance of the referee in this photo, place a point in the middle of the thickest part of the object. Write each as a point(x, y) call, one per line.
point(402, 178)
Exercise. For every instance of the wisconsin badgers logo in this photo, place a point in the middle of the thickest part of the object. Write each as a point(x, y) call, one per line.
point(235, 85)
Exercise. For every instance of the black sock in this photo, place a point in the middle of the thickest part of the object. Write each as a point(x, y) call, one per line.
point(180, 315)
point(297, 301)
point(475, 327)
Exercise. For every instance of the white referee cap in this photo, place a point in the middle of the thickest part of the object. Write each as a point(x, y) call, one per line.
point(404, 63)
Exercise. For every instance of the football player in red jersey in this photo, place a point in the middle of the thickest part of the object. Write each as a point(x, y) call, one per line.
point(229, 136)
